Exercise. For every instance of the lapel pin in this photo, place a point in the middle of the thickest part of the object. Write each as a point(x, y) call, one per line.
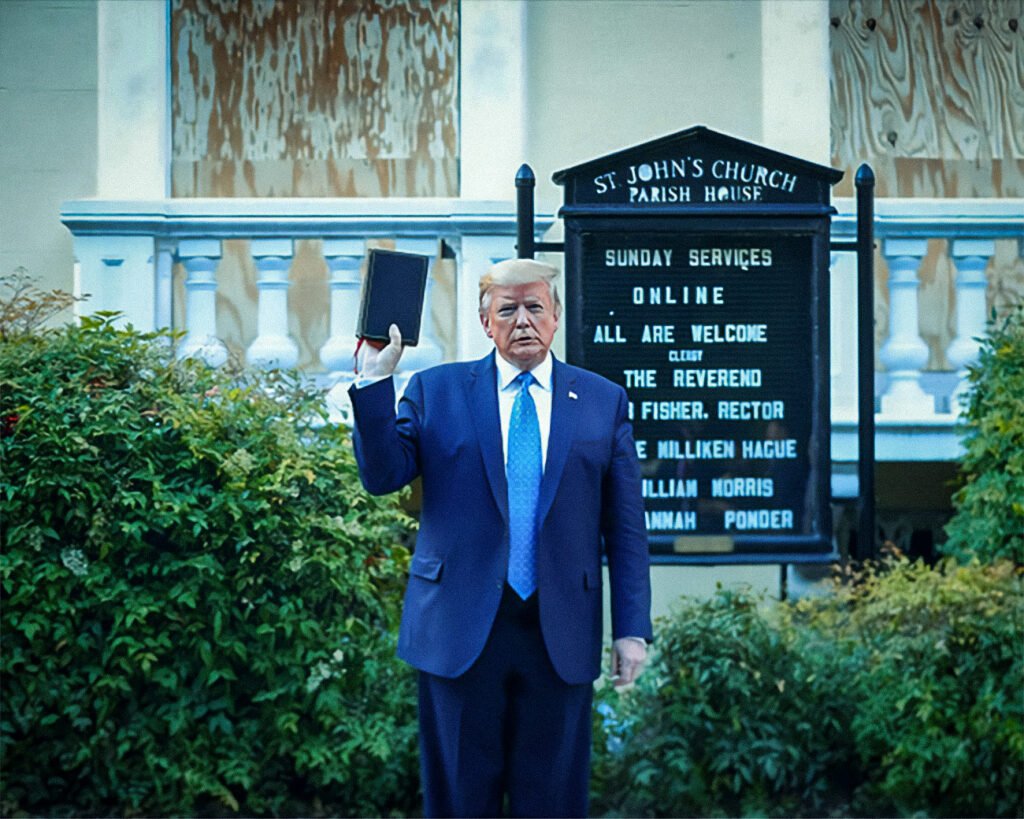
point(573, 395)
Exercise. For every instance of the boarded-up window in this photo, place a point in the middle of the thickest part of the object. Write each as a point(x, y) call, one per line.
point(314, 98)
point(931, 94)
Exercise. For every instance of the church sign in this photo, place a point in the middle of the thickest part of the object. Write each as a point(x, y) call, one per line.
point(697, 278)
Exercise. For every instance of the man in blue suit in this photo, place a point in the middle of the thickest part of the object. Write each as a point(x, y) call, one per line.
point(529, 473)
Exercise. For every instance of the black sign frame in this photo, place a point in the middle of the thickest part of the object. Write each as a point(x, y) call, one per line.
point(814, 546)
point(703, 183)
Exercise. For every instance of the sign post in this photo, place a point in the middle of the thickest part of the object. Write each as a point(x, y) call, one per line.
point(696, 273)
point(866, 530)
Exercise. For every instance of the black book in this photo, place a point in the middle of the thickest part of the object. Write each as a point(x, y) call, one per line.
point(393, 293)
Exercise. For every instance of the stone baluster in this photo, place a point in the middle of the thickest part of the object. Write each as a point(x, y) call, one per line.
point(971, 257)
point(904, 353)
point(272, 347)
point(163, 297)
point(343, 257)
point(200, 258)
point(428, 351)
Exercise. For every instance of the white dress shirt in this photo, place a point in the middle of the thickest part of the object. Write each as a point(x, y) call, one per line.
point(540, 391)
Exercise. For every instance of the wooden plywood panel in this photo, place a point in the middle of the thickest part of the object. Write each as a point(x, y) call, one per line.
point(931, 94)
point(308, 98)
point(413, 176)
point(315, 98)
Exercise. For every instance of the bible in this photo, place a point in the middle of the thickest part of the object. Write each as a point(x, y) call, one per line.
point(393, 293)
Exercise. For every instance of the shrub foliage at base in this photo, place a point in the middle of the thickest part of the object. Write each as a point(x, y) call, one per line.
point(989, 519)
point(732, 718)
point(199, 598)
point(935, 663)
point(900, 694)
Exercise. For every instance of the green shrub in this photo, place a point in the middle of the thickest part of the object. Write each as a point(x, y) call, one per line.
point(989, 518)
point(899, 694)
point(734, 717)
point(935, 663)
point(199, 598)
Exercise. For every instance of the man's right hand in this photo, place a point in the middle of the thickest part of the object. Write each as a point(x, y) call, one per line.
point(379, 362)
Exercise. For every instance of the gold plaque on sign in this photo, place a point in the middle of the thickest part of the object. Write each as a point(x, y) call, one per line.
point(693, 544)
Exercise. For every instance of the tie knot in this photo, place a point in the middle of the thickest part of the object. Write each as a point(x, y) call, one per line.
point(524, 380)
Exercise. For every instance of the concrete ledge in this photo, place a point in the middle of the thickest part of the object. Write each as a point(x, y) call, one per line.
point(924, 439)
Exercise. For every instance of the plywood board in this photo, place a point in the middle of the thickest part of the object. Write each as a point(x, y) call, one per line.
point(931, 94)
point(314, 98)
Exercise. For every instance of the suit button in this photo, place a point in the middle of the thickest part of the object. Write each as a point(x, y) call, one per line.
point(500, 584)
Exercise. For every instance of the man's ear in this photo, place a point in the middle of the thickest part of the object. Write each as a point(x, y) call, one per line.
point(485, 322)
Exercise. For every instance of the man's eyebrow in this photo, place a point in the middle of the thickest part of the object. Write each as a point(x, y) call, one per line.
point(511, 301)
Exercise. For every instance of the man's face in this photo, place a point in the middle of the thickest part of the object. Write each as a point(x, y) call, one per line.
point(521, 320)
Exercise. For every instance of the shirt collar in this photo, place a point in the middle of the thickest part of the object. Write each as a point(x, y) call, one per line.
point(507, 372)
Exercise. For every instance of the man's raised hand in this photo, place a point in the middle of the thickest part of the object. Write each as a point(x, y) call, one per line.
point(380, 361)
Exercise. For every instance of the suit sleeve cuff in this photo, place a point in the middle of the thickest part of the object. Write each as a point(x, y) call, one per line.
point(367, 380)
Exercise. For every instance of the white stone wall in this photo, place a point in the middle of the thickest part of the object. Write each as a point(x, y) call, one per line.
point(48, 130)
point(605, 74)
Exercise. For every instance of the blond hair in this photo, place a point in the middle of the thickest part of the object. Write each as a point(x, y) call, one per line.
point(518, 271)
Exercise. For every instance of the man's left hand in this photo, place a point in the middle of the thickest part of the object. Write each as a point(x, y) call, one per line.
point(628, 655)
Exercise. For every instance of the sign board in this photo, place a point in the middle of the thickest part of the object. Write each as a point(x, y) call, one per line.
point(697, 278)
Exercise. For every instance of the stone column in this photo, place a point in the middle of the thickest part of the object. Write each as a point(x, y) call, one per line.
point(200, 258)
point(133, 99)
point(971, 257)
point(343, 257)
point(795, 71)
point(164, 295)
point(273, 348)
point(904, 353)
point(492, 99)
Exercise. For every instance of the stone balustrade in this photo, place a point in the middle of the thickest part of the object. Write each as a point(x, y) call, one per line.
point(126, 250)
point(917, 404)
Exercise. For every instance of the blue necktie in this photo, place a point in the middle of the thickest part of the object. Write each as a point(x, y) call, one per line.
point(523, 470)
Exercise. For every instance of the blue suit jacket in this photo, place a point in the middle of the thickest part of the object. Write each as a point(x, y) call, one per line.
point(447, 429)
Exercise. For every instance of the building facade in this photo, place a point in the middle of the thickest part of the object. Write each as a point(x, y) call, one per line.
point(222, 167)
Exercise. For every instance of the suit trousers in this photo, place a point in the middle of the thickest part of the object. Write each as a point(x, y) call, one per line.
point(509, 726)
